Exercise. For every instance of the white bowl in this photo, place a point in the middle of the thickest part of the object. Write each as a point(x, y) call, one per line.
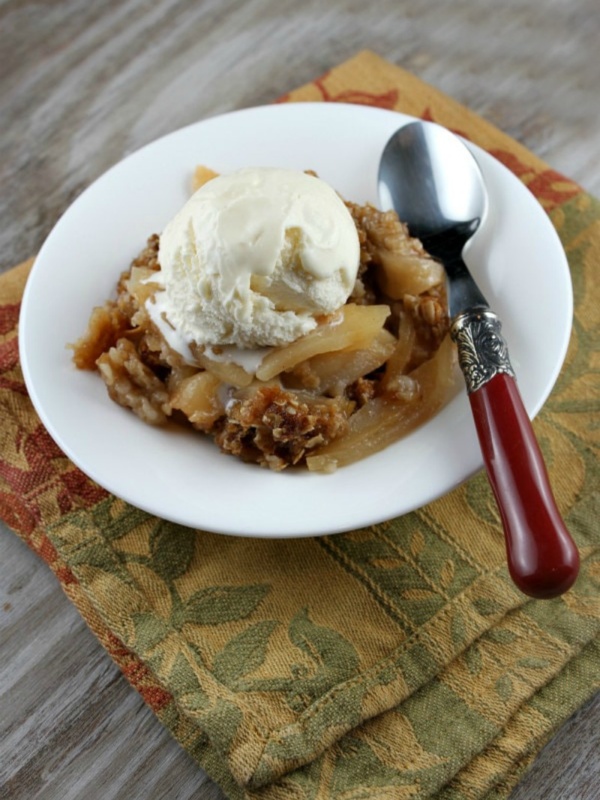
point(180, 475)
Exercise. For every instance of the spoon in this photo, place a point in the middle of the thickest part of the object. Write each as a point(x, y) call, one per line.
point(429, 177)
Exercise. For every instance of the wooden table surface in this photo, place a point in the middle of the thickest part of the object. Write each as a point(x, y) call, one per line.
point(84, 83)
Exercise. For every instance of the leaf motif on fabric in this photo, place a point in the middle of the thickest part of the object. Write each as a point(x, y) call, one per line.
point(172, 549)
point(418, 594)
point(325, 646)
point(116, 519)
point(183, 677)
point(244, 653)
point(393, 742)
point(331, 660)
point(486, 606)
point(221, 722)
point(447, 574)
point(150, 630)
point(94, 554)
point(334, 658)
point(116, 595)
point(185, 685)
point(533, 663)
point(500, 636)
point(218, 604)
point(504, 687)
point(153, 587)
point(473, 660)
point(194, 702)
point(458, 629)
point(391, 562)
point(417, 543)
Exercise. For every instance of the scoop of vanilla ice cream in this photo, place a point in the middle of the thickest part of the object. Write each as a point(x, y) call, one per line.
point(255, 256)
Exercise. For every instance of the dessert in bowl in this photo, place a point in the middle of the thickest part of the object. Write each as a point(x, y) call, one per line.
point(293, 327)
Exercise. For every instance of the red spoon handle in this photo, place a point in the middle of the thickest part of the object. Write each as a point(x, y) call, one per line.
point(542, 557)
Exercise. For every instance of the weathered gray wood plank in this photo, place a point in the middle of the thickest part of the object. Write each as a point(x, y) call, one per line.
point(83, 84)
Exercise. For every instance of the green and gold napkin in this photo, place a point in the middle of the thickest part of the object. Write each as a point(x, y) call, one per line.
point(396, 661)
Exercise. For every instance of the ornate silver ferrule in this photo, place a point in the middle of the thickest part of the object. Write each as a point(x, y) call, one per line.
point(482, 350)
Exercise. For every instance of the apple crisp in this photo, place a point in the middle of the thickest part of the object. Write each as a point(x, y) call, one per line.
point(366, 376)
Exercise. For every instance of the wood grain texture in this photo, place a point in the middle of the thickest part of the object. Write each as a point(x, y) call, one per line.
point(83, 84)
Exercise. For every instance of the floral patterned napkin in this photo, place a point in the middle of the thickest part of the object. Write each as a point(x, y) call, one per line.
point(396, 661)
